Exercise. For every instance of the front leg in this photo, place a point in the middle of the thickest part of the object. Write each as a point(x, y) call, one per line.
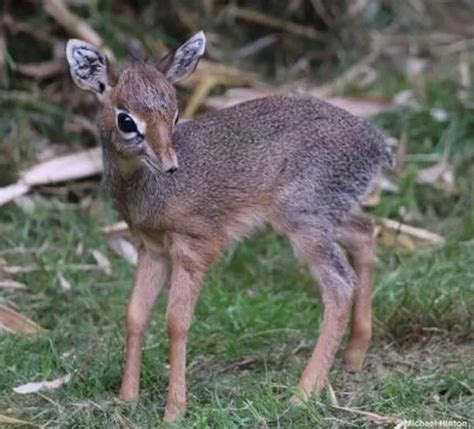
point(151, 275)
point(186, 278)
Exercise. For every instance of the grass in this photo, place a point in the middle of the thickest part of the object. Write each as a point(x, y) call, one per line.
point(253, 332)
point(259, 313)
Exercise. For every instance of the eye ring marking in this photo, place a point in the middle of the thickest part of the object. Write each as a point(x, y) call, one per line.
point(126, 124)
point(129, 126)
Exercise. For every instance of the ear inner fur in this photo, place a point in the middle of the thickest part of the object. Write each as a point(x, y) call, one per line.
point(88, 66)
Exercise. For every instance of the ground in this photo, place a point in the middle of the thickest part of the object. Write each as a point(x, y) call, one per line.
point(253, 332)
point(260, 311)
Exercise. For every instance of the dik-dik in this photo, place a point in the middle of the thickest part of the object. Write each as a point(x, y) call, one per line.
point(188, 190)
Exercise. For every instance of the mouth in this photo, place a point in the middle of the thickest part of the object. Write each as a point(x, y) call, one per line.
point(151, 164)
point(166, 161)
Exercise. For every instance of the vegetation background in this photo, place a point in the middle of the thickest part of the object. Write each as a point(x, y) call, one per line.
point(64, 279)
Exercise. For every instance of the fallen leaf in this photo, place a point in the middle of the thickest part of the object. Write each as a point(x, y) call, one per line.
point(124, 248)
point(64, 284)
point(362, 107)
point(102, 262)
point(15, 323)
point(358, 106)
point(332, 395)
point(36, 386)
point(394, 239)
point(440, 176)
point(116, 228)
point(63, 168)
point(9, 193)
point(11, 284)
point(14, 421)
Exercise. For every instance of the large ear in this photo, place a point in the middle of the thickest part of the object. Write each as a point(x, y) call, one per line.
point(89, 67)
point(179, 64)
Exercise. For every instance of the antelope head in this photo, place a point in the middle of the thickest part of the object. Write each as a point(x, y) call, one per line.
point(138, 106)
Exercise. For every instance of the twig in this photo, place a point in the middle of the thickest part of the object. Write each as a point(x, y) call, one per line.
point(226, 75)
point(254, 47)
point(370, 416)
point(200, 93)
point(43, 70)
point(257, 17)
point(350, 75)
point(75, 25)
point(419, 233)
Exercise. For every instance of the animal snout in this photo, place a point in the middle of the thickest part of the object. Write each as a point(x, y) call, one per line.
point(172, 169)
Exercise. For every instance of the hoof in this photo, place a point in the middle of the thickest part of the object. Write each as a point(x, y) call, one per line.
point(299, 398)
point(354, 360)
point(174, 411)
point(128, 395)
point(296, 401)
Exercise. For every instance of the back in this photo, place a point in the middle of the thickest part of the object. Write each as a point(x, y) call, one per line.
point(278, 145)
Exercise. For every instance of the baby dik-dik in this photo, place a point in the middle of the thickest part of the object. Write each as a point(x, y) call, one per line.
point(186, 191)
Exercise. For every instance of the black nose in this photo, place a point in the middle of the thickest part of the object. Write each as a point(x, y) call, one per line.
point(172, 170)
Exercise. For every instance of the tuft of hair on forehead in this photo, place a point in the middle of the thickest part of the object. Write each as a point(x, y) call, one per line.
point(135, 52)
point(142, 88)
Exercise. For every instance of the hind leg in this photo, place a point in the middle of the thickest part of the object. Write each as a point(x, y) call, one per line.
point(336, 281)
point(357, 236)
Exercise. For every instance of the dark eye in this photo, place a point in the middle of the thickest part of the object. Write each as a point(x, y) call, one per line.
point(126, 124)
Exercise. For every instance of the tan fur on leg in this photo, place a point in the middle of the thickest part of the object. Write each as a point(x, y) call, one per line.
point(357, 236)
point(151, 274)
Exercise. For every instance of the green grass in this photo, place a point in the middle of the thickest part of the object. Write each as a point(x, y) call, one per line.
point(253, 332)
point(259, 314)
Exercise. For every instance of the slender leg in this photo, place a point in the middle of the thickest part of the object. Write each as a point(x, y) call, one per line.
point(150, 276)
point(336, 281)
point(186, 281)
point(357, 236)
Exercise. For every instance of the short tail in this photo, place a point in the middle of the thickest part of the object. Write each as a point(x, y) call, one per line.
point(388, 157)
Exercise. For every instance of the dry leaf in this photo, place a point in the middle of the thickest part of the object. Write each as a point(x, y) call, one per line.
point(9, 193)
point(11, 284)
point(124, 248)
point(116, 228)
point(225, 75)
point(394, 239)
point(14, 421)
point(363, 107)
point(17, 269)
point(440, 176)
point(15, 323)
point(64, 284)
point(68, 167)
point(36, 386)
point(332, 395)
point(102, 262)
